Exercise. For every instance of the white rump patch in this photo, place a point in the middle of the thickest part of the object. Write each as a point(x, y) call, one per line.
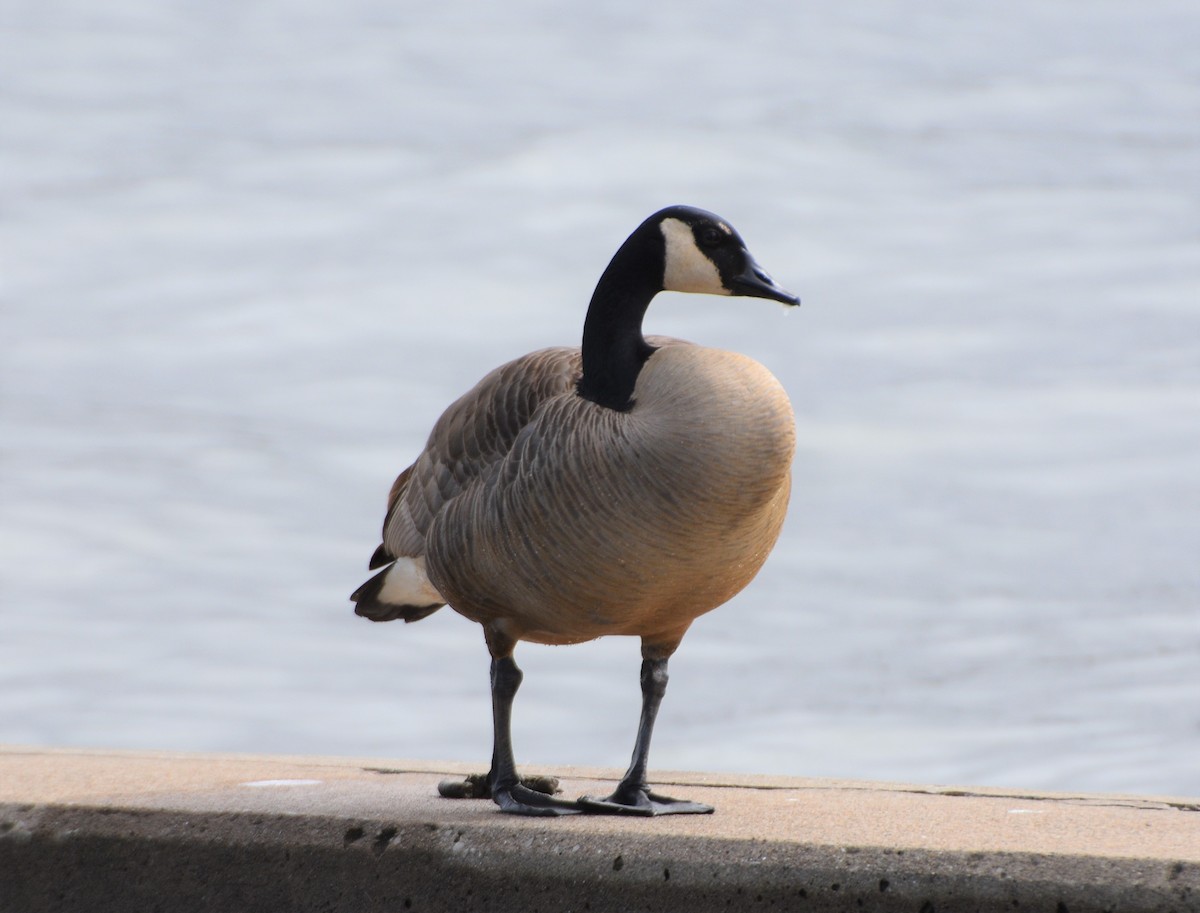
point(688, 269)
point(406, 584)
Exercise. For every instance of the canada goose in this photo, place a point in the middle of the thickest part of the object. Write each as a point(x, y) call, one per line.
point(624, 487)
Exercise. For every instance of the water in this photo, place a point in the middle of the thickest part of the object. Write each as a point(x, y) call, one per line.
point(250, 252)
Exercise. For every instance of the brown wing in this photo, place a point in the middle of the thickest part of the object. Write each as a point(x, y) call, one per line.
point(468, 441)
point(381, 556)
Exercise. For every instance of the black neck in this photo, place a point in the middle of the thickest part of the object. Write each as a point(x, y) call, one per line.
point(614, 349)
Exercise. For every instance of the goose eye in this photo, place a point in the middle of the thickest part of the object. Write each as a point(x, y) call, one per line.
point(711, 236)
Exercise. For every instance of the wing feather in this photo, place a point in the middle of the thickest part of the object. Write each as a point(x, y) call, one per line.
point(471, 438)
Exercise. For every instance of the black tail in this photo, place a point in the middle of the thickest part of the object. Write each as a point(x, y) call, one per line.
point(368, 604)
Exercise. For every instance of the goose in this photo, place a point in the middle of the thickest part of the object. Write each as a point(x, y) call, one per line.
point(623, 487)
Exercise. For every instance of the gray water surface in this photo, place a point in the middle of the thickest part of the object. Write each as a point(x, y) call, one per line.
point(249, 252)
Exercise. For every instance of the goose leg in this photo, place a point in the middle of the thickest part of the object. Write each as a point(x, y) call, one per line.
point(507, 791)
point(479, 786)
point(519, 795)
point(632, 795)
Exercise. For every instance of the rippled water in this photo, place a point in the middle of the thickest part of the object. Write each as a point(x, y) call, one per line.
point(249, 252)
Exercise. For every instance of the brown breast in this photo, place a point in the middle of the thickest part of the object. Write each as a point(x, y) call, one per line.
point(600, 522)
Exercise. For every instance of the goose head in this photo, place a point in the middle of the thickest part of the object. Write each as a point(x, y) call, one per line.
point(703, 253)
point(678, 249)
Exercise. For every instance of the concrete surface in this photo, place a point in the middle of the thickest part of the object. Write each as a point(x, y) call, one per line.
point(129, 831)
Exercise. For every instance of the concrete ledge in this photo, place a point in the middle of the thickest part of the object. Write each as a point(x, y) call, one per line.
point(125, 831)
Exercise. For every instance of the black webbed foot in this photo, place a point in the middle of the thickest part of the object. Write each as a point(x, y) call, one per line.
point(641, 801)
point(632, 796)
point(520, 800)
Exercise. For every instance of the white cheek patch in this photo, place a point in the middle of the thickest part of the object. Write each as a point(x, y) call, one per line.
point(406, 584)
point(687, 268)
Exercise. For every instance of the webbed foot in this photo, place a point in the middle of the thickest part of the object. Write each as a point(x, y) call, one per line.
point(641, 801)
point(520, 800)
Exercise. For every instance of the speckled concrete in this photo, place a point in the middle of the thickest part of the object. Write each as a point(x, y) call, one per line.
point(103, 830)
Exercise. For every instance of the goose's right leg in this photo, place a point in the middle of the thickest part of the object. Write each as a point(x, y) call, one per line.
point(507, 791)
point(479, 786)
point(514, 794)
point(502, 784)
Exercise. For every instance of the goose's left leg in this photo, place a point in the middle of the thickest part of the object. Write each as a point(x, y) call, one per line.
point(632, 795)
